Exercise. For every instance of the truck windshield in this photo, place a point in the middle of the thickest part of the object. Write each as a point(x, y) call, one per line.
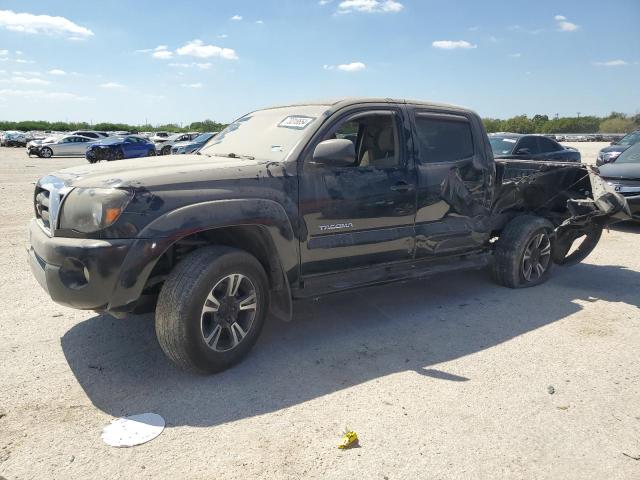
point(266, 134)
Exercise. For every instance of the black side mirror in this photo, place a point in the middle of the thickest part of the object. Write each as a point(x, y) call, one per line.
point(337, 152)
point(523, 151)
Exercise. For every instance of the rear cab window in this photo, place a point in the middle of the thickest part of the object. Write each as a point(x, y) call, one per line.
point(443, 138)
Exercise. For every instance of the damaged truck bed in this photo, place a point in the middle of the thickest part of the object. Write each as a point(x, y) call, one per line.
point(302, 200)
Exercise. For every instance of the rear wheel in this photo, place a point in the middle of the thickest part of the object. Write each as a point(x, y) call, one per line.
point(523, 254)
point(46, 152)
point(211, 309)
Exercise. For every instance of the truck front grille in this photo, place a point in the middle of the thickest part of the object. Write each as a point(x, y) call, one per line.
point(42, 206)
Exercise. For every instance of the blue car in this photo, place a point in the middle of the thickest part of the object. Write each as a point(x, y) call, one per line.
point(118, 148)
point(192, 146)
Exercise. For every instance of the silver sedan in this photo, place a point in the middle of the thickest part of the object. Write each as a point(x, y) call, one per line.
point(66, 146)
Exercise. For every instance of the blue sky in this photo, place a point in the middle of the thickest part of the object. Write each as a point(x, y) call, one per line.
point(187, 61)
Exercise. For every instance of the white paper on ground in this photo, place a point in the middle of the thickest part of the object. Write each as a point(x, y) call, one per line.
point(133, 430)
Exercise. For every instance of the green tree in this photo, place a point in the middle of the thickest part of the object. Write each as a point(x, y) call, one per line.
point(617, 125)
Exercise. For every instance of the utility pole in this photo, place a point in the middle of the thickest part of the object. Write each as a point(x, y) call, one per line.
point(578, 114)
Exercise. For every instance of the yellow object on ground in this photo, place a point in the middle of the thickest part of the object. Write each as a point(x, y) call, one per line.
point(349, 439)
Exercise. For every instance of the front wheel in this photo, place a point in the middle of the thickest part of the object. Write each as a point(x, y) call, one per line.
point(46, 152)
point(151, 153)
point(165, 151)
point(211, 309)
point(523, 253)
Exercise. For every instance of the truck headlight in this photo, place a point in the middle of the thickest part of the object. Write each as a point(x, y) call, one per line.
point(88, 210)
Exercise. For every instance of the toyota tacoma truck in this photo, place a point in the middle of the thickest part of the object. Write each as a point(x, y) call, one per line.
point(299, 201)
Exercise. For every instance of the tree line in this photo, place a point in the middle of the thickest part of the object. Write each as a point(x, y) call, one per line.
point(42, 125)
point(615, 122)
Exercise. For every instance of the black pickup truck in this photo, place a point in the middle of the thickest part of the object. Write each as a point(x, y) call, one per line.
point(298, 201)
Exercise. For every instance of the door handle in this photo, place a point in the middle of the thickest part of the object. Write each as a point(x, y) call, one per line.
point(402, 187)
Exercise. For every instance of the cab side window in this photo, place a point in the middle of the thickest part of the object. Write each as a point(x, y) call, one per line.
point(547, 145)
point(375, 138)
point(443, 139)
point(527, 143)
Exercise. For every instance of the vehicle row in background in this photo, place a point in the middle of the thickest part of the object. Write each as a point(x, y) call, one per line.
point(531, 147)
point(164, 145)
point(64, 146)
point(192, 146)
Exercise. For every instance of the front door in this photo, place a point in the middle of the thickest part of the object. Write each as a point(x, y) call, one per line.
point(362, 214)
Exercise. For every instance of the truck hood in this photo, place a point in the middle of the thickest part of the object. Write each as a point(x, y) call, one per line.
point(162, 171)
point(629, 171)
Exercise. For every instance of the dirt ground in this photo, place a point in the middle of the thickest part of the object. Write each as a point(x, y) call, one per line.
point(444, 378)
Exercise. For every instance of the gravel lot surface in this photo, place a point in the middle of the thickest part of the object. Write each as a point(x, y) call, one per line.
point(441, 378)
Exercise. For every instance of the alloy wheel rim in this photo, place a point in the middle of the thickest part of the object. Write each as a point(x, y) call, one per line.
point(536, 257)
point(229, 312)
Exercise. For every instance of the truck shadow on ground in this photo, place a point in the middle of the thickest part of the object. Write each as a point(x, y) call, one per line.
point(333, 343)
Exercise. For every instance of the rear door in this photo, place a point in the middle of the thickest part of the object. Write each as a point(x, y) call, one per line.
point(363, 214)
point(455, 182)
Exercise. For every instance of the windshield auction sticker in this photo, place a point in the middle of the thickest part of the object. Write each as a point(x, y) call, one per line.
point(299, 122)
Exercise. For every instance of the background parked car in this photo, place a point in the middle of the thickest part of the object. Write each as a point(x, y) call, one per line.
point(64, 146)
point(90, 134)
point(118, 148)
point(533, 147)
point(624, 175)
point(160, 136)
point(192, 146)
point(610, 153)
point(14, 138)
point(34, 145)
point(164, 148)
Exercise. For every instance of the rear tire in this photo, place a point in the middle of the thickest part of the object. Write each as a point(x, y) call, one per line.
point(165, 150)
point(523, 253)
point(200, 326)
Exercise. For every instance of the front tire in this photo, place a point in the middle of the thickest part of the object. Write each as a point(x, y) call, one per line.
point(211, 309)
point(165, 151)
point(524, 252)
point(46, 152)
point(151, 153)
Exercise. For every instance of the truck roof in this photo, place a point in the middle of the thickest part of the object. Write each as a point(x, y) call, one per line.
point(347, 101)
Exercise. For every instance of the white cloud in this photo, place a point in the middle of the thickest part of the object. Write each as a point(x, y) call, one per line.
point(4, 53)
point(112, 85)
point(564, 25)
point(144, 50)
point(42, 24)
point(191, 85)
point(196, 48)
point(57, 71)
point(347, 67)
point(42, 95)
point(18, 52)
point(22, 60)
point(26, 81)
point(453, 44)
point(259, 22)
point(237, 18)
point(223, 35)
point(515, 55)
point(370, 6)
point(29, 73)
point(474, 28)
point(612, 63)
point(162, 52)
point(352, 67)
point(324, 2)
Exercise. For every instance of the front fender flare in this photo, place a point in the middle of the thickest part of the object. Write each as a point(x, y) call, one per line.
point(156, 238)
